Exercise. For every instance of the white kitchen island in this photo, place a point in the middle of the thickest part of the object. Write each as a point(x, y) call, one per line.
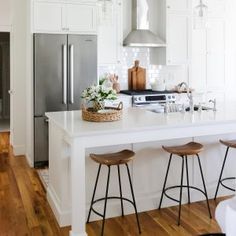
point(71, 139)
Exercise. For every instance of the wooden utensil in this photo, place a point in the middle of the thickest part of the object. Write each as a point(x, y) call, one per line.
point(137, 77)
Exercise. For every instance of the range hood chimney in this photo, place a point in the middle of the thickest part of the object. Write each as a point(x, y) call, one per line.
point(141, 35)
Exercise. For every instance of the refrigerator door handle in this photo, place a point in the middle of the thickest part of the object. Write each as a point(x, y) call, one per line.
point(71, 73)
point(64, 74)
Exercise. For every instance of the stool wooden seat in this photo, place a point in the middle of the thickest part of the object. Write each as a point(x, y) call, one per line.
point(117, 158)
point(229, 143)
point(111, 160)
point(221, 181)
point(191, 148)
point(183, 151)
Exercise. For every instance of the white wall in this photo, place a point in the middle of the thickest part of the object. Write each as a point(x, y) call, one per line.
point(18, 118)
point(5, 15)
point(29, 88)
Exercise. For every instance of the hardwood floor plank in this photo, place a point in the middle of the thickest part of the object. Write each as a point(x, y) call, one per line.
point(24, 210)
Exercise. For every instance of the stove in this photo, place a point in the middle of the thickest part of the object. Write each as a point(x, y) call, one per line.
point(150, 97)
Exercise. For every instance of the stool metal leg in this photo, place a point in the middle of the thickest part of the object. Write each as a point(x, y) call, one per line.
point(132, 192)
point(221, 172)
point(187, 177)
point(181, 190)
point(121, 201)
point(203, 181)
point(105, 204)
point(164, 185)
point(94, 191)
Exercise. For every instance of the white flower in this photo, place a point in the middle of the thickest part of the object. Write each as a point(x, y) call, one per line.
point(99, 93)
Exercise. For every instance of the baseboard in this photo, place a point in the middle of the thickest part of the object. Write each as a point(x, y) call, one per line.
point(18, 150)
point(63, 218)
point(29, 160)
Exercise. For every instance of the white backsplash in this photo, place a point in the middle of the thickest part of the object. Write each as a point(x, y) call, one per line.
point(172, 74)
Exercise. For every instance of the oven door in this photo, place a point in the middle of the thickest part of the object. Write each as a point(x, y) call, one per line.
point(153, 107)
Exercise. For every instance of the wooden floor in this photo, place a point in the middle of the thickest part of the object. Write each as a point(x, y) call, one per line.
point(24, 209)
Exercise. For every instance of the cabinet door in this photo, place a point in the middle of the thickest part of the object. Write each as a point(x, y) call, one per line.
point(109, 35)
point(47, 17)
point(177, 39)
point(216, 54)
point(81, 18)
point(178, 5)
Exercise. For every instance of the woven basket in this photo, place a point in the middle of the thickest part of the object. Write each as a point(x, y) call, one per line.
point(112, 114)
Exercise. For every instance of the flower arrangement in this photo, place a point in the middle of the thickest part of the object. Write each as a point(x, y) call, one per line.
point(98, 94)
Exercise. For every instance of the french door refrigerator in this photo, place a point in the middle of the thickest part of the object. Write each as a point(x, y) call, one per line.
point(64, 65)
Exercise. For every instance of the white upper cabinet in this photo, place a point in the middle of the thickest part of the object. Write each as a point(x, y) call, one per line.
point(81, 18)
point(178, 5)
point(109, 33)
point(177, 39)
point(45, 11)
point(61, 17)
point(215, 53)
point(178, 25)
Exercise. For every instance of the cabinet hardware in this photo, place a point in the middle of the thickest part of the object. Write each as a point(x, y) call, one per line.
point(64, 95)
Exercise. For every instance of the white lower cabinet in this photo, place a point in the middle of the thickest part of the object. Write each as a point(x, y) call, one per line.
point(57, 17)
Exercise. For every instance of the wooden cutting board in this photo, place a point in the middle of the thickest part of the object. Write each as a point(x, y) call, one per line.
point(137, 77)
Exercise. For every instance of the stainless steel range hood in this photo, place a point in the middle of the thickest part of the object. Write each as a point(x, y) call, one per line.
point(141, 35)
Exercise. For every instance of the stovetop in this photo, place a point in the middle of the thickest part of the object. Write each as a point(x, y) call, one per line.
point(144, 92)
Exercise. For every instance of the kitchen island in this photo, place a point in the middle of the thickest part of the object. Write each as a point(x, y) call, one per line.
point(71, 175)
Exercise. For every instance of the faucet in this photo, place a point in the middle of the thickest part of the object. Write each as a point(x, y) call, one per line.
point(189, 95)
point(214, 103)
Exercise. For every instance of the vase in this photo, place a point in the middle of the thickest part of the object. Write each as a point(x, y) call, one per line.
point(98, 105)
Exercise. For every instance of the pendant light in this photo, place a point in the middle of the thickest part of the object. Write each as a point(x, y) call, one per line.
point(200, 15)
point(201, 9)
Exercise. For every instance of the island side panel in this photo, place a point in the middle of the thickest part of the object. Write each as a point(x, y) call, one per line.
point(59, 188)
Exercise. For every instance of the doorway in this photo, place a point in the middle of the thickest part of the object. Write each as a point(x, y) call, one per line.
point(4, 81)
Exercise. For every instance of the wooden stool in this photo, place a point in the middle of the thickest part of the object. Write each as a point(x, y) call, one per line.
point(183, 151)
point(228, 144)
point(113, 159)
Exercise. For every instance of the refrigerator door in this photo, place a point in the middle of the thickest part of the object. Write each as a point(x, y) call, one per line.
point(50, 73)
point(82, 67)
point(40, 141)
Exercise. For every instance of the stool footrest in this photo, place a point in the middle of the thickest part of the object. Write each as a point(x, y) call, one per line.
point(183, 186)
point(224, 185)
point(108, 198)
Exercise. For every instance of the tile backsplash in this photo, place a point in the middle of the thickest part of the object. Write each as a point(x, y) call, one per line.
point(171, 74)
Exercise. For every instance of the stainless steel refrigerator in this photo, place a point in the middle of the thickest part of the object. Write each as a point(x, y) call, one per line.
point(64, 65)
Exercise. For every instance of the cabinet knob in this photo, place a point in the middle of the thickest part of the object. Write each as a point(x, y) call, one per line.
point(168, 7)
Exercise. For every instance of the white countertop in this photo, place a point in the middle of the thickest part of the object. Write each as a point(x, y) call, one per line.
point(136, 119)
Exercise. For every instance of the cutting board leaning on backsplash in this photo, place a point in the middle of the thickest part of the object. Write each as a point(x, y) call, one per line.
point(137, 77)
